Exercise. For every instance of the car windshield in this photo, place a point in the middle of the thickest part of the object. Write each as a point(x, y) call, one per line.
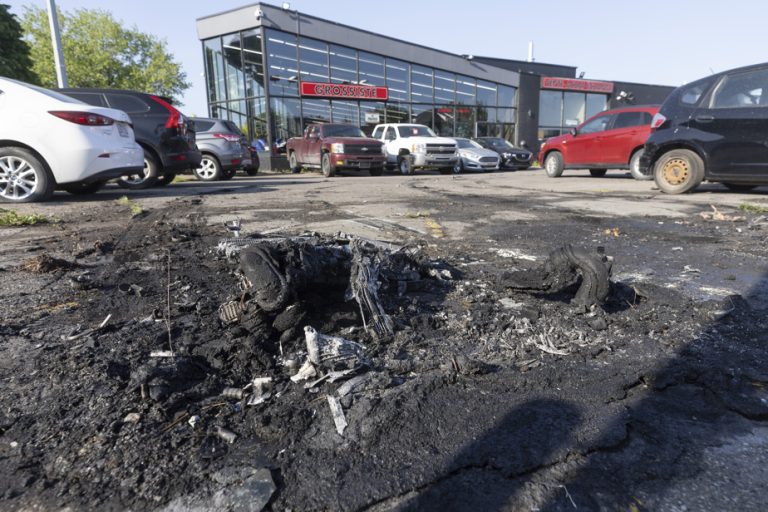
point(501, 144)
point(467, 144)
point(342, 130)
point(415, 130)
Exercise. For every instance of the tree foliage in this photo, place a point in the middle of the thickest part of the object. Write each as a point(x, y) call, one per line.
point(15, 61)
point(100, 52)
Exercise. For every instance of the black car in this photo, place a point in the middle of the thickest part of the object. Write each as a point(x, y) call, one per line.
point(164, 133)
point(713, 129)
point(511, 157)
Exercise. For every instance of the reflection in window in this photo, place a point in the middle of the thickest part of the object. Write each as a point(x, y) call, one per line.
point(286, 118)
point(370, 69)
point(506, 96)
point(444, 119)
point(253, 64)
point(421, 84)
point(316, 111)
point(445, 87)
point(551, 108)
point(234, 66)
point(345, 112)
point(485, 114)
point(465, 122)
point(214, 66)
point(238, 114)
point(465, 90)
point(596, 103)
point(371, 114)
point(313, 60)
point(397, 112)
point(599, 124)
point(574, 107)
point(422, 114)
point(283, 70)
point(397, 80)
point(486, 93)
point(505, 115)
point(257, 120)
point(343, 63)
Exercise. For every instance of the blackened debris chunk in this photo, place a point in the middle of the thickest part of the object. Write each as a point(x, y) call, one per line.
point(268, 284)
point(562, 268)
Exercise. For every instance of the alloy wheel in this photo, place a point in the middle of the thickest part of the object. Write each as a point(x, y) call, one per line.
point(18, 179)
point(207, 169)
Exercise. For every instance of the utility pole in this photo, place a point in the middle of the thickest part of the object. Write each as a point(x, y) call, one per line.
point(58, 55)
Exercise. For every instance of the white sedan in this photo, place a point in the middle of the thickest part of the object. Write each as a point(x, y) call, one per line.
point(50, 141)
point(473, 156)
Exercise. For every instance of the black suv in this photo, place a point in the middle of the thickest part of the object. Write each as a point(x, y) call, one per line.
point(713, 129)
point(164, 133)
point(511, 157)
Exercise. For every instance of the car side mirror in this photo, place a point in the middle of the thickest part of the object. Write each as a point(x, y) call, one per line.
point(573, 131)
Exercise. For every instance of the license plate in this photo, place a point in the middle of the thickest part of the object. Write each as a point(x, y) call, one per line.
point(365, 165)
point(122, 130)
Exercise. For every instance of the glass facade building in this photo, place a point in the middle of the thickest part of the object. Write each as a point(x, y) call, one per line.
point(559, 111)
point(253, 79)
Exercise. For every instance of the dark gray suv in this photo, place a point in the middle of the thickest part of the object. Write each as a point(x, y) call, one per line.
point(225, 150)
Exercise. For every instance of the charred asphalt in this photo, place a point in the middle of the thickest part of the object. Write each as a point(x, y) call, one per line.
point(131, 347)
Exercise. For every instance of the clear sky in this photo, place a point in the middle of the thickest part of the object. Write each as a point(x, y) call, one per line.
point(666, 42)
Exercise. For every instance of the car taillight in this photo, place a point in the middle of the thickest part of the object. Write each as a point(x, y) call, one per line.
point(84, 118)
point(175, 119)
point(227, 136)
point(657, 121)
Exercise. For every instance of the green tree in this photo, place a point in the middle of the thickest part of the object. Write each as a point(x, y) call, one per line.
point(100, 52)
point(14, 52)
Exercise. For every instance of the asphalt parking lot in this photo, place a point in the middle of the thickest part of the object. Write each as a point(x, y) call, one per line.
point(489, 396)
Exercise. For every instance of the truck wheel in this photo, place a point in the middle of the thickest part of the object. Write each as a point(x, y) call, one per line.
point(678, 171)
point(325, 163)
point(376, 171)
point(293, 164)
point(405, 165)
point(553, 164)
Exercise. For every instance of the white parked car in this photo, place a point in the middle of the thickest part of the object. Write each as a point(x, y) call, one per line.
point(50, 141)
point(475, 157)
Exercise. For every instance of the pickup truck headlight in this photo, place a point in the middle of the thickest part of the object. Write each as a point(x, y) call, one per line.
point(337, 148)
point(419, 147)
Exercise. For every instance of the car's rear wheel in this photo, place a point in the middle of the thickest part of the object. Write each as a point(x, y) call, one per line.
point(165, 179)
point(634, 167)
point(209, 170)
point(251, 171)
point(597, 173)
point(553, 164)
point(83, 188)
point(739, 187)
point(23, 178)
point(678, 171)
point(404, 165)
point(228, 175)
point(325, 164)
point(146, 178)
point(293, 163)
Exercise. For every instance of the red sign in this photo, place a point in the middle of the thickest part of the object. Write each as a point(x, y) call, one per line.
point(349, 91)
point(574, 84)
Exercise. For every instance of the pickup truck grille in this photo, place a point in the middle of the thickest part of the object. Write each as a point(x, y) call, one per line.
point(441, 149)
point(362, 149)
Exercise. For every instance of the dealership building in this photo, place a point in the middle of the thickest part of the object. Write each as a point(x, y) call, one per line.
point(273, 70)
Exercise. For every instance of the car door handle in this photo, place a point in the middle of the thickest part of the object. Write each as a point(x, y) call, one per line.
point(704, 118)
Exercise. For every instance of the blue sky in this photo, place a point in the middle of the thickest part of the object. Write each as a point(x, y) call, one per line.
point(667, 42)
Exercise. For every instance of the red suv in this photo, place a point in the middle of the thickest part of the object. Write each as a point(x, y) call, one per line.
point(609, 140)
